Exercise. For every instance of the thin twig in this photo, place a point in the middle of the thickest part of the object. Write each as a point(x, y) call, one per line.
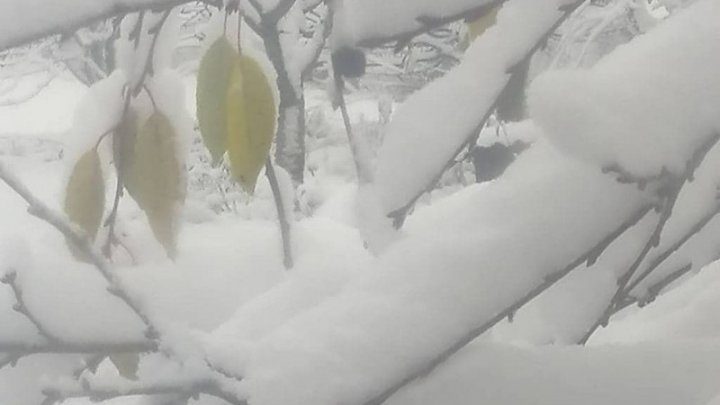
point(183, 388)
point(80, 239)
point(659, 259)
point(20, 306)
point(358, 149)
point(655, 289)
point(148, 67)
point(282, 215)
point(118, 159)
point(672, 191)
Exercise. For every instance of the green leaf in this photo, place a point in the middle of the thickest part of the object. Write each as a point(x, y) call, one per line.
point(155, 179)
point(251, 120)
point(85, 197)
point(212, 82)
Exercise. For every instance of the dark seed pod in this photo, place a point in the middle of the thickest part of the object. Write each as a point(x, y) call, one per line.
point(349, 62)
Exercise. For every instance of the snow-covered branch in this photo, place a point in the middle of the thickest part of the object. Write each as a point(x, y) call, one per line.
point(376, 22)
point(77, 237)
point(10, 278)
point(14, 348)
point(85, 389)
point(663, 256)
point(314, 45)
point(413, 157)
point(24, 21)
point(671, 190)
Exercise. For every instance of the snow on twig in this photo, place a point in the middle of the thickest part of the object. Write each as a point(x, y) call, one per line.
point(672, 190)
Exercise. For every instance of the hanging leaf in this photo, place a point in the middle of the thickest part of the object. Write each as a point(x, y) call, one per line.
point(212, 84)
point(155, 179)
point(478, 26)
point(251, 119)
point(85, 197)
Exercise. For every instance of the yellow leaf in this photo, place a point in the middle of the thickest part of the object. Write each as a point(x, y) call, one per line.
point(212, 83)
point(85, 193)
point(251, 120)
point(155, 178)
point(478, 26)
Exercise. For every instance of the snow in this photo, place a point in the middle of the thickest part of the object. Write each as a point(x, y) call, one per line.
point(656, 123)
point(425, 292)
point(25, 20)
point(370, 21)
point(365, 305)
point(98, 113)
point(55, 103)
point(651, 374)
point(416, 150)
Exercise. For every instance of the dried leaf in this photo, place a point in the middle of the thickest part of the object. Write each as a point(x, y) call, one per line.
point(212, 83)
point(85, 197)
point(251, 120)
point(155, 178)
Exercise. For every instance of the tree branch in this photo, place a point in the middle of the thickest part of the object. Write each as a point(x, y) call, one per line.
point(282, 215)
point(32, 23)
point(428, 22)
point(672, 191)
point(10, 279)
point(550, 280)
point(658, 260)
point(182, 388)
point(81, 241)
point(399, 214)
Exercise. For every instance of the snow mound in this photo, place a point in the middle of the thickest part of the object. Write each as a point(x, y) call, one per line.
point(646, 106)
